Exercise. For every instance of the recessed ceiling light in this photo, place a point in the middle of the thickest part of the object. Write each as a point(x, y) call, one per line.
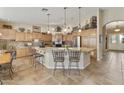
point(117, 30)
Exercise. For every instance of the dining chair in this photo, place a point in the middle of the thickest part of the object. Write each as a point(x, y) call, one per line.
point(1, 83)
point(58, 57)
point(8, 67)
point(74, 57)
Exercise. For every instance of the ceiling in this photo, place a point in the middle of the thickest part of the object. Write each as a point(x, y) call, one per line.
point(35, 15)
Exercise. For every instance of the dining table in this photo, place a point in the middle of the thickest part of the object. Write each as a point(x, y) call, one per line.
point(4, 59)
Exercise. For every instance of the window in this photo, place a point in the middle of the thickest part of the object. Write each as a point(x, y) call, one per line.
point(113, 39)
point(121, 37)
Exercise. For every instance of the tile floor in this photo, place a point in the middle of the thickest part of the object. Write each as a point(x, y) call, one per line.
point(108, 71)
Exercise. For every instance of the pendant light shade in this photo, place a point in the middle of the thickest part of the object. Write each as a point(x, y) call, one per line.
point(65, 29)
point(48, 31)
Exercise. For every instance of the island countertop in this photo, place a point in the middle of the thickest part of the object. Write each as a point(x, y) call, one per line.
point(83, 49)
point(49, 61)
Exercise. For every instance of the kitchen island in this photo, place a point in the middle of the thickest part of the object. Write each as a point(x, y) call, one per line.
point(49, 62)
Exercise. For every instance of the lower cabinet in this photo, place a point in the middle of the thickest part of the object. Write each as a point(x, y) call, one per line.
point(23, 52)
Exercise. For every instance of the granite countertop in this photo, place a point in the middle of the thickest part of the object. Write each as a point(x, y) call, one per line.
point(83, 49)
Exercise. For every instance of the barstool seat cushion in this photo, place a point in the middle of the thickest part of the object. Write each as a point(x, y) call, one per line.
point(74, 59)
point(59, 59)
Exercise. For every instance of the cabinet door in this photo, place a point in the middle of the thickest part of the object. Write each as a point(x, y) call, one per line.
point(20, 52)
point(20, 36)
point(28, 36)
point(35, 35)
point(12, 34)
point(7, 34)
point(48, 37)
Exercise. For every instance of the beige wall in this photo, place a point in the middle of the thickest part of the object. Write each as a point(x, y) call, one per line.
point(117, 45)
point(99, 34)
point(111, 14)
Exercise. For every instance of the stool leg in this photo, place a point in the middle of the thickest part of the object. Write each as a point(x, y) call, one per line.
point(69, 67)
point(63, 68)
point(77, 63)
point(34, 63)
point(55, 67)
point(42, 61)
point(10, 73)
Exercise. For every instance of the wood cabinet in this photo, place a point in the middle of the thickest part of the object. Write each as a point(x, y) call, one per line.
point(44, 37)
point(47, 37)
point(28, 36)
point(20, 52)
point(68, 37)
point(23, 52)
point(88, 37)
point(7, 34)
point(20, 36)
point(23, 36)
point(89, 41)
point(36, 35)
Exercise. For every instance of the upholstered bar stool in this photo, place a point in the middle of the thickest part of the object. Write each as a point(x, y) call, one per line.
point(59, 57)
point(74, 57)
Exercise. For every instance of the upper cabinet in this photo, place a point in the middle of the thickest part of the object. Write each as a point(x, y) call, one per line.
point(44, 37)
point(28, 36)
point(47, 37)
point(8, 34)
point(20, 36)
point(24, 36)
point(36, 35)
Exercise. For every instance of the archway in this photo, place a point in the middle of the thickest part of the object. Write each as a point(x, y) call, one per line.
point(113, 35)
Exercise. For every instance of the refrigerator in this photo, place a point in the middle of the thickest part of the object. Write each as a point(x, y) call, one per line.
point(77, 41)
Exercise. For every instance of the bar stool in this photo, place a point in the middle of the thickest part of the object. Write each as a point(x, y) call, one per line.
point(37, 55)
point(59, 57)
point(74, 57)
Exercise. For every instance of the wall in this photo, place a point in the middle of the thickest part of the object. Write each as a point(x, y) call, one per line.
point(111, 14)
point(44, 28)
point(99, 34)
point(117, 45)
point(106, 15)
point(25, 15)
point(26, 26)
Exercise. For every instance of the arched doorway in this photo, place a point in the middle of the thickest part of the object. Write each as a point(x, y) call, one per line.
point(113, 35)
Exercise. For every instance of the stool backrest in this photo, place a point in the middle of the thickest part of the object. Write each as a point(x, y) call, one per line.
point(58, 55)
point(74, 55)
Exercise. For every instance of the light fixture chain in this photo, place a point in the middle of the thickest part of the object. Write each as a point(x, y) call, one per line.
point(65, 17)
point(79, 17)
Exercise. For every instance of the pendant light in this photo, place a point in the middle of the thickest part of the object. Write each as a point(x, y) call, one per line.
point(79, 29)
point(48, 31)
point(65, 29)
point(0, 34)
